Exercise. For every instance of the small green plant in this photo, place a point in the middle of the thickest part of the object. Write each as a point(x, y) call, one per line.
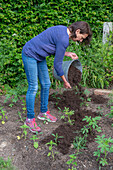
point(20, 116)
point(57, 137)
point(105, 147)
point(24, 132)
point(24, 106)
point(3, 115)
point(86, 92)
point(67, 114)
point(79, 143)
point(6, 164)
point(111, 113)
point(34, 138)
point(92, 123)
point(100, 110)
point(51, 152)
point(110, 101)
point(72, 162)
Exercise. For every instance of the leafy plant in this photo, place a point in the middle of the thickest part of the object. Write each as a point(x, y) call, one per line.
point(24, 132)
point(6, 164)
point(57, 137)
point(67, 114)
point(51, 152)
point(111, 113)
point(92, 123)
point(79, 143)
point(72, 161)
point(34, 138)
point(105, 147)
point(3, 115)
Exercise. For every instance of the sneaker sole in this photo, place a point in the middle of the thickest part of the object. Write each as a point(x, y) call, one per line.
point(31, 129)
point(45, 119)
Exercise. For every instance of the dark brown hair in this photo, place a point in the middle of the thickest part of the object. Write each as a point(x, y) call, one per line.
point(84, 29)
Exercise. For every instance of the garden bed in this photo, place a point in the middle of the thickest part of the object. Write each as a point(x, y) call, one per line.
point(22, 152)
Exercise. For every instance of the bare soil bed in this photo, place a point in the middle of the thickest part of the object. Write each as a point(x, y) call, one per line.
point(22, 152)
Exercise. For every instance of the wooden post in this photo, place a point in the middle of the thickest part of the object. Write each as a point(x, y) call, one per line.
point(107, 27)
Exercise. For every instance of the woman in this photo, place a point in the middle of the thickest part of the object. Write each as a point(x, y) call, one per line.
point(53, 40)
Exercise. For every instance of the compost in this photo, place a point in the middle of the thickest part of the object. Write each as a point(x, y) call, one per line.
point(74, 76)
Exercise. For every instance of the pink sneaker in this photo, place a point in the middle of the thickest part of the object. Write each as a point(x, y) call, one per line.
point(32, 125)
point(47, 116)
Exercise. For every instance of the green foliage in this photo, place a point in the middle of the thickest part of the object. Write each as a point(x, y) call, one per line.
point(6, 164)
point(105, 147)
point(96, 60)
point(51, 152)
point(67, 114)
point(3, 115)
point(92, 123)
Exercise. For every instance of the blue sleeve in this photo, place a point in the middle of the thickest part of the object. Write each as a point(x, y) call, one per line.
point(59, 55)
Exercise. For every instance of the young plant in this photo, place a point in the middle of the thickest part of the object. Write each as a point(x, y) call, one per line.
point(67, 114)
point(24, 106)
point(111, 113)
point(79, 143)
point(24, 132)
point(105, 147)
point(72, 162)
point(92, 123)
point(100, 110)
point(34, 138)
point(51, 152)
point(20, 116)
point(3, 115)
point(6, 164)
point(57, 137)
point(86, 92)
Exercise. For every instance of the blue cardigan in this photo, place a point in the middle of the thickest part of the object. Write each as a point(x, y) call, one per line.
point(53, 40)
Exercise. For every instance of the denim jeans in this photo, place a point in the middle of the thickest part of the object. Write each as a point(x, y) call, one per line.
point(36, 70)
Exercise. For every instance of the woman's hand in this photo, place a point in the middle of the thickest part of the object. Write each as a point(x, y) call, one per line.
point(67, 85)
point(72, 55)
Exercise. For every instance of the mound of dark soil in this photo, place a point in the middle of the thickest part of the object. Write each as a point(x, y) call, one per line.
point(98, 99)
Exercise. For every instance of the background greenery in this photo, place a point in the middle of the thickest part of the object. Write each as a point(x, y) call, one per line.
point(21, 20)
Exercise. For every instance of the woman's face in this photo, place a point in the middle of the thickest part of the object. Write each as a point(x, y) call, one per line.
point(79, 37)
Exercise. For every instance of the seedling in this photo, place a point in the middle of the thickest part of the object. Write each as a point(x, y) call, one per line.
point(110, 114)
point(19, 113)
point(86, 92)
point(51, 152)
point(24, 133)
point(24, 106)
point(3, 115)
point(68, 114)
point(79, 143)
point(105, 147)
point(92, 123)
point(6, 164)
point(100, 110)
point(34, 138)
point(72, 161)
point(57, 137)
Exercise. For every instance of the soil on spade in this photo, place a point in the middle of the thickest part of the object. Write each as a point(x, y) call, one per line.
point(24, 156)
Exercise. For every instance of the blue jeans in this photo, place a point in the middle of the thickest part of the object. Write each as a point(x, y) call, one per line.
point(36, 70)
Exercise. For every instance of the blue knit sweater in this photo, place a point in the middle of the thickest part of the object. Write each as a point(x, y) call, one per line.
point(53, 40)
